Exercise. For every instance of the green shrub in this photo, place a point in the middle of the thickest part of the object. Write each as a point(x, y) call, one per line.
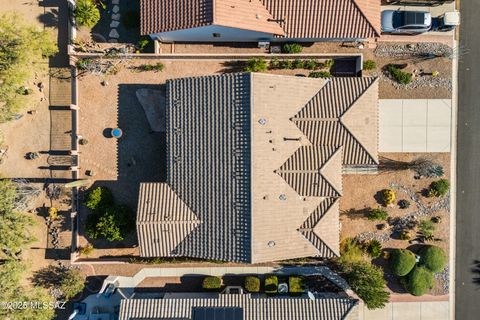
point(252, 284)
point(143, 43)
point(350, 251)
point(419, 281)
point(439, 188)
point(402, 261)
point(298, 64)
point(211, 283)
point(112, 223)
point(433, 258)
point(86, 13)
point(377, 215)
point(374, 248)
point(296, 284)
point(71, 283)
point(399, 75)
point(368, 283)
point(256, 65)
point(388, 197)
point(275, 63)
point(310, 64)
point(271, 284)
point(404, 204)
point(328, 64)
point(292, 48)
point(98, 198)
point(405, 235)
point(286, 64)
point(320, 74)
point(83, 64)
point(369, 65)
point(427, 227)
point(158, 67)
point(131, 19)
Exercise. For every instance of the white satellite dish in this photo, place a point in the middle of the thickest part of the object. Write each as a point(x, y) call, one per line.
point(310, 296)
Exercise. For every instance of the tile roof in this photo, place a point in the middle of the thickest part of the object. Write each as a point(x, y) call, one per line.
point(247, 180)
point(168, 15)
point(208, 147)
point(344, 113)
point(161, 212)
point(314, 171)
point(253, 308)
point(322, 228)
point(326, 18)
point(284, 18)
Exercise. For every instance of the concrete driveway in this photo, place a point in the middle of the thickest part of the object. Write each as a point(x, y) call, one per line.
point(415, 125)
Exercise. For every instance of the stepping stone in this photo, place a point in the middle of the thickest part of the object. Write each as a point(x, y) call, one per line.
point(116, 9)
point(114, 24)
point(114, 34)
point(115, 1)
point(116, 16)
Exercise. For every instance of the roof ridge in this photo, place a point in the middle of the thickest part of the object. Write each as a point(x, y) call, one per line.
point(321, 169)
point(377, 32)
point(374, 80)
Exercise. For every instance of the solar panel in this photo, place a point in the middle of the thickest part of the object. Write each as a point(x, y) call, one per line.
point(219, 313)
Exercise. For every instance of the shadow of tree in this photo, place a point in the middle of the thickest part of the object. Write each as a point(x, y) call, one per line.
point(476, 271)
point(49, 19)
point(48, 277)
point(356, 214)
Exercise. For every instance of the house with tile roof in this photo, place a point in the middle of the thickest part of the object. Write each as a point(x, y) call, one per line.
point(254, 166)
point(259, 20)
point(204, 306)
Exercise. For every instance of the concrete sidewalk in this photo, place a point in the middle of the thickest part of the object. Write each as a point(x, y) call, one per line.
point(431, 310)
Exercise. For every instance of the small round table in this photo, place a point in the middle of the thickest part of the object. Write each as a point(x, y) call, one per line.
point(116, 133)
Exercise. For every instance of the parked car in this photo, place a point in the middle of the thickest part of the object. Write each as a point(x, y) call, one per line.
point(432, 3)
point(406, 22)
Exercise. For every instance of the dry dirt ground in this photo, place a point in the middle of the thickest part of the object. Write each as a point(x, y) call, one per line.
point(32, 133)
point(360, 193)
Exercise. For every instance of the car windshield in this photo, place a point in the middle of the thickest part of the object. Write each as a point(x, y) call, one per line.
point(398, 19)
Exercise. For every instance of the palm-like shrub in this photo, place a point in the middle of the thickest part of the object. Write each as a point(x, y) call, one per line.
point(368, 283)
point(369, 65)
point(374, 248)
point(86, 13)
point(377, 215)
point(439, 188)
point(402, 261)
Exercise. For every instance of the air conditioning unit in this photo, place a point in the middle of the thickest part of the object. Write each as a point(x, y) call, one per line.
point(264, 44)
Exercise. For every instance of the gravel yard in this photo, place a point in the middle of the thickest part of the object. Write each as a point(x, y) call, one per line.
point(361, 193)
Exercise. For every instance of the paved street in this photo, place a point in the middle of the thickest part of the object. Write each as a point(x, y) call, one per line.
point(467, 299)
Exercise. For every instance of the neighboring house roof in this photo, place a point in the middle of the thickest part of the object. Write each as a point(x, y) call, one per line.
point(238, 306)
point(341, 19)
point(255, 184)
